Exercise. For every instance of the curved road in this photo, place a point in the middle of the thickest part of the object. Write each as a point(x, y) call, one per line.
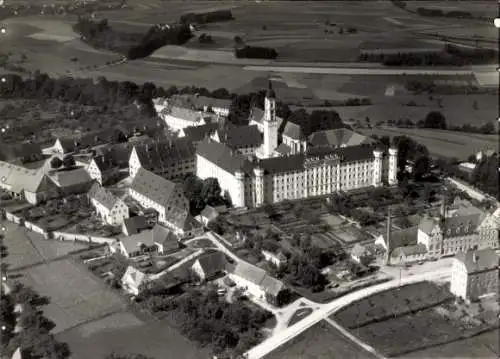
point(325, 310)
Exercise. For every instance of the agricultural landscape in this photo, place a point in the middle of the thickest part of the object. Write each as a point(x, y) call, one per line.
point(421, 76)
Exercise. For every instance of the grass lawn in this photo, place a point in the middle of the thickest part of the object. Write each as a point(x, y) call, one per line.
point(441, 143)
point(125, 333)
point(299, 315)
point(321, 341)
point(69, 307)
point(393, 302)
point(27, 248)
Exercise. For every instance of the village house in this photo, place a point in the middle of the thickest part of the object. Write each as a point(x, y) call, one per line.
point(177, 118)
point(158, 193)
point(71, 181)
point(34, 186)
point(208, 265)
point(132, 280)
point(409, 254)
point(256, 282)
point(183, 223)
point(362, 254)
point(398, 238)
point(157, 240)
point(134, 225)
point(475, 274)
point(172, 160)
point(111, 209)
point(102, 170)
point(206, 104)
point(196, 134)
point(277, 259)
point(207, 215)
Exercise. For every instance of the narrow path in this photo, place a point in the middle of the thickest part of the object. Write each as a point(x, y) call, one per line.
point(351, 337)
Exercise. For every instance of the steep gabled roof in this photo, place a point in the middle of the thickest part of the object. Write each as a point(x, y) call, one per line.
point(212, 263)
point(403, 237)
point(20, 178)
point(159, 154)
point(337, 138)
point(102, 196)
point(257, 276)
point(185, 114)
point(198, 133)
point(242, 136)
point(485, 259)
point(223, 157)
point(152, 186)
point(455, 226)
point(165, 237)
point(417, 249)
point(134, 276)
point(69, 178)
point(135, 224)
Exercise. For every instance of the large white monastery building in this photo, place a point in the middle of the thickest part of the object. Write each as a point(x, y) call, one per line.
point(275, 173)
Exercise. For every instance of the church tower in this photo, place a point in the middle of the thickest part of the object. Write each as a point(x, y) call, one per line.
point(270, 124)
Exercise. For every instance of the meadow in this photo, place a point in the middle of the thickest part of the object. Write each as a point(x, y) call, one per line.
point(69, 308)
point(441, 143)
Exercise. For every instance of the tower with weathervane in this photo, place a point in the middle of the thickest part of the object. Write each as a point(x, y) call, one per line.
point(270, 124)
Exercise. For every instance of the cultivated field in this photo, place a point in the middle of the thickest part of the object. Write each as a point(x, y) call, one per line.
point(392, 303)
point(126, 333)
point(76, 295)
point(482, 346)
point(321, 341)
point(27, 248)
point(441, 143)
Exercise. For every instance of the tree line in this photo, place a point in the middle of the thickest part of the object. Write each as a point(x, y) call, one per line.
point(255, 52)
point(207, 17)
point(451, 56)
point(100, 34)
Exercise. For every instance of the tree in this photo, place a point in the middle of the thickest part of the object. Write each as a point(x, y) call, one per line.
point(211, 191)
point(56, 162)
point(421, 167)
point(435, 119)
point(69, 161)
point(238, 40)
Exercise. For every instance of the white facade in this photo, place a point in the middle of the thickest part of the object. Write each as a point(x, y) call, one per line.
point(113, 216)
point(134, 163)
point(393, 167)
point(377, 168)
point(275, 259)
point(249, 287)
point(95, 172)
point(270, 129)
point(459, 278)
point(178, 123)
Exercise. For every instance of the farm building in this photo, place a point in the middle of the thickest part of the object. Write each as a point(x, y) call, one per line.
point(256, 282)
point(277, 259)
point(71, 181)
point(362, 254)
point(177, 117)
point(132, 280)
point(32, 185)
point(134, 225)
point(209, 265)
point(409, 254)
point(475, 273)
point(102, 169)
point(220, 107)
point(208, 215)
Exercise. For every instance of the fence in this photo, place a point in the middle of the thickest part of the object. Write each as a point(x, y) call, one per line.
point(64, 236)
point(33, 227)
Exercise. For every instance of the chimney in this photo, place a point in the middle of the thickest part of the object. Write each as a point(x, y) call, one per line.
point(443, 209)
point(388, 236)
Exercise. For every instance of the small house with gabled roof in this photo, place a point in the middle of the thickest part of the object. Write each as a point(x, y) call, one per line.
point(111, 209)
point(208, 265)
point(133, 279)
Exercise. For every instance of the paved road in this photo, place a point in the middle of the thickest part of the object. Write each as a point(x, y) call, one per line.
point(326, 310)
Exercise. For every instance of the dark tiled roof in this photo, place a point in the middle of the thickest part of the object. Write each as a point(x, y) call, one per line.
point(198, 133)
point(199, 102)
point(258, 276)
point(69, 178)
point(104, 163)
point(337, 137)
point(152, 186)
point(241, 136)
point(102, 196)
point(486, 259)
point(283, 149)
point(402, 238)
point(160, 154)
point(118, 153)
point(456, 226)
point(293, 131)
point(257, 115)
point(135, 224)
point(165, 237)
point(212, 263)
point(283, 164)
